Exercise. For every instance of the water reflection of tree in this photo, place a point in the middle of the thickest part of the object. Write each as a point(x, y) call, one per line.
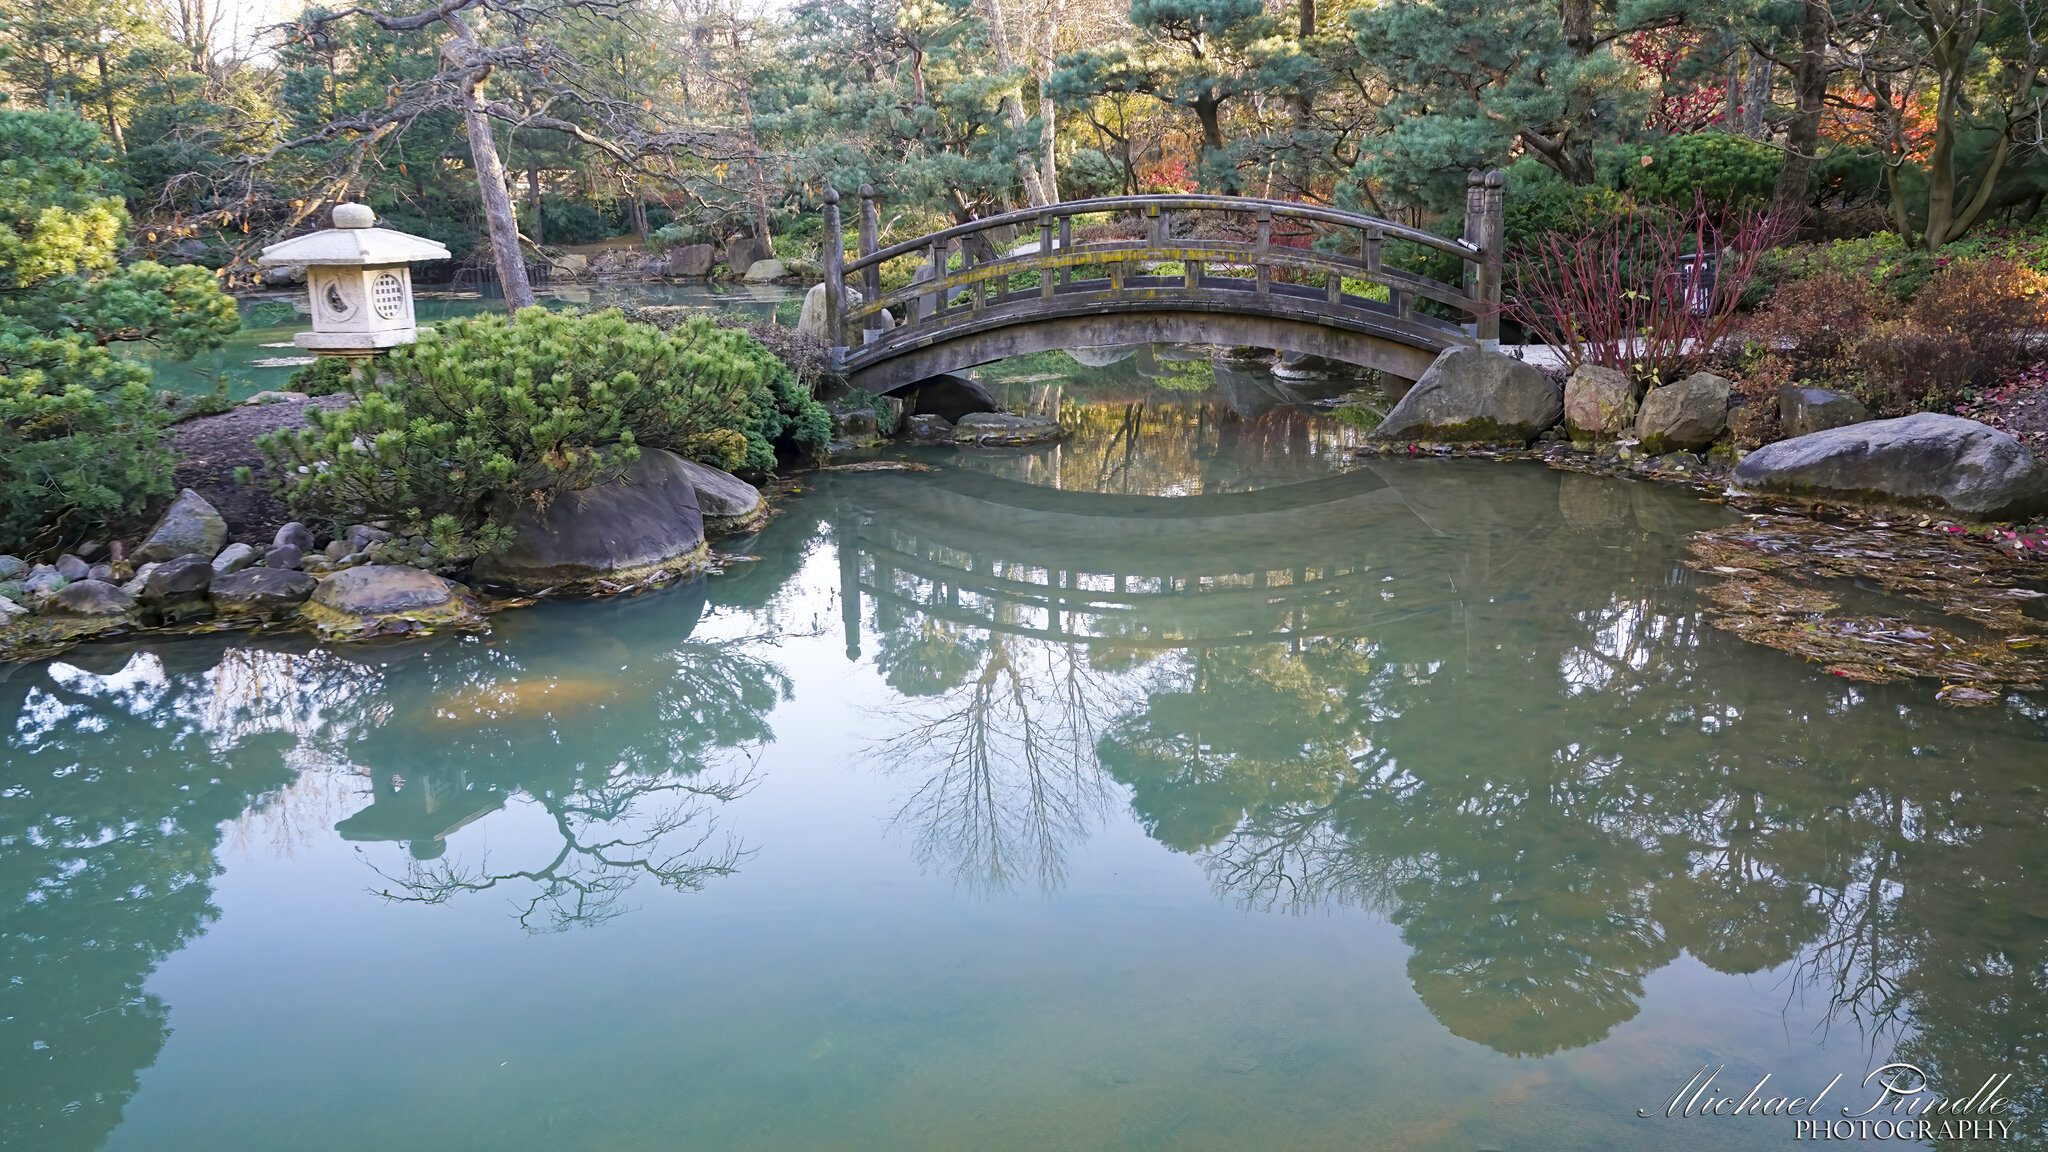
point(629, 770)
point(1560, 784)
point(122, 768)
point(117, 786)
point(1005, 782)
point(614, 831)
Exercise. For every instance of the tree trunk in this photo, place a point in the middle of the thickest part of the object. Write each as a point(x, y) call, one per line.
point(1209, 110)
point(503, 223)
point(1013, 105)
point(540, 228)
point(757, 177)
point(1048, 172)
point(1756, 98)
point(1802, 134)
point(1300, 168)
point(1574, 159)
point(107, 98)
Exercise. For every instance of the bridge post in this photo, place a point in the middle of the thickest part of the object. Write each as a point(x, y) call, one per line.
point(835, 279)
point(1485, 229)
point(870, 242)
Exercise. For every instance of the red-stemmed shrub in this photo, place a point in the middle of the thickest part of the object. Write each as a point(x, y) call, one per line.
point(1616, 294)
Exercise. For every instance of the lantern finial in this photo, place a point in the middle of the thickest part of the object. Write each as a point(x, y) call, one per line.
point(352, 215)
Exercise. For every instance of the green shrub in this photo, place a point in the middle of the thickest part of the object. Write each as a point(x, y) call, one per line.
point(1086, 173)
point(677, 234)
point(81, 435)
point(1538, 203)
point(325, 376)
point(528, 407)
point(1726, 171)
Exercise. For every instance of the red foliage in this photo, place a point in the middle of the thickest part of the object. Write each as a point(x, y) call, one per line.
point(1683, 106)
point(1855, 117)
point(1170, 174)
point(1615, 294)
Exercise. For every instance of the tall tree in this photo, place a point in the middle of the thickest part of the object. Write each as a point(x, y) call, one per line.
point(1201, 56)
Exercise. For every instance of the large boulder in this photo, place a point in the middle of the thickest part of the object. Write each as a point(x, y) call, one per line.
point(1002, 428)
point(951, 398)
point(1803, 411)
point(1926, 459)
point(1599, 403)
point(190, 525)
point(1692, 413)
point(743, 252)
point(1471, 395)
point(383, 600)
point(574, 265)
point(766, 271)
point(728, 503)
point(692, 261)
point(95, 598)
point(811, 319)
point(262, 593)
point(646, 524)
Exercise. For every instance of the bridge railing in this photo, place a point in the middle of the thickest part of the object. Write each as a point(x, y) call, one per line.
point(964, 272)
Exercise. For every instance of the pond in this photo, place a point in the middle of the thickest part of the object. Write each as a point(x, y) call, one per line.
point(1190, 785)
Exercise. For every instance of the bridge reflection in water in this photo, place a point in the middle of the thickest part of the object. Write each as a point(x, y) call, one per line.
point(1143, 572)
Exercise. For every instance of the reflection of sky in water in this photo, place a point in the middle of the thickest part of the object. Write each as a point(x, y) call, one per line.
point(1421, 814)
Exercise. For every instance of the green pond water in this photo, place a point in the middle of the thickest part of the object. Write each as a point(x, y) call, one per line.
point(1190, 785)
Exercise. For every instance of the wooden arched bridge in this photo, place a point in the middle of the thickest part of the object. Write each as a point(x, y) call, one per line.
point(986, 289)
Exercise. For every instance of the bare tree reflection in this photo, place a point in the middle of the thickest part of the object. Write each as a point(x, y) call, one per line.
point(1006, 776)
point(615, 831)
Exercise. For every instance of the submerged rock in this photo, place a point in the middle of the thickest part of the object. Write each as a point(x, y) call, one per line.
point(384, 599)
point(189, 526)
point(1004, 429)
point(1302, 366)
point(1599, 403)
point(1470, 396)
point(1803, 411)
point(644, 525)
point(1691, 413)
point(1926, 459)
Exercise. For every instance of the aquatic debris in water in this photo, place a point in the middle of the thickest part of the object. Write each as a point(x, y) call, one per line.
point(880, 466)
point(1774, 593)
point(535, 696)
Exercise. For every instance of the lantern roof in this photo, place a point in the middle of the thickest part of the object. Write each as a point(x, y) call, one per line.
point(354, 241)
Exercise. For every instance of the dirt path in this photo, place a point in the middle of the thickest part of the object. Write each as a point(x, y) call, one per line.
point(210, 448)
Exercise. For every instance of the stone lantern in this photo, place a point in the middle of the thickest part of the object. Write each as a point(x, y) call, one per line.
point(360, 278)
